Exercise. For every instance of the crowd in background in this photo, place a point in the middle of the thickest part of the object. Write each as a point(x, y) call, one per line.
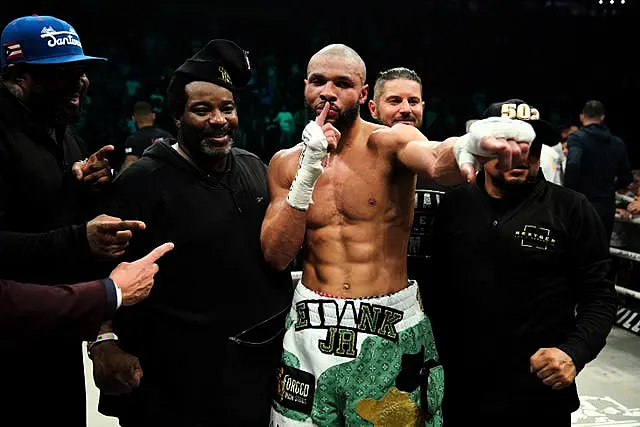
point(460, 76)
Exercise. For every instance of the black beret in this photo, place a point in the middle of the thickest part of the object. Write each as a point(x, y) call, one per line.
point(221, 62)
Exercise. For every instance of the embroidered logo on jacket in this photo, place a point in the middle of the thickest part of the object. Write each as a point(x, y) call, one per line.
point(531, 236)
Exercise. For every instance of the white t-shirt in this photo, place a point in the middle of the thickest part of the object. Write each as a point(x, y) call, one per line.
point(552, 164)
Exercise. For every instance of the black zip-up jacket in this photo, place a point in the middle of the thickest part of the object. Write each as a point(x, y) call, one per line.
point(597, 164)
point(510, 274)
point(211, 287)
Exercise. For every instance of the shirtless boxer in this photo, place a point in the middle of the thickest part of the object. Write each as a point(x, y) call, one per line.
point(357, 349)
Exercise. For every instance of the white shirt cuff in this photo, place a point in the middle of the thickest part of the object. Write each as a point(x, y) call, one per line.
point(118, 296)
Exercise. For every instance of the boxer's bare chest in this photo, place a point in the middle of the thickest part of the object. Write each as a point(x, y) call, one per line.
point(354, 187)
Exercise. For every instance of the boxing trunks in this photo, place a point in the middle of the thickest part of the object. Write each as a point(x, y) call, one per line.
point(358, 362)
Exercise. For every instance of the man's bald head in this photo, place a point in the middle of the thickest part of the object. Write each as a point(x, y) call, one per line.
point(340, 51)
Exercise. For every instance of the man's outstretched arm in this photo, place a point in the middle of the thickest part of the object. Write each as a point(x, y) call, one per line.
point(456, 159)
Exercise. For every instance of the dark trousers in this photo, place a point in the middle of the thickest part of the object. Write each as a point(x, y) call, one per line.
point(238, 392)
point(43, 386)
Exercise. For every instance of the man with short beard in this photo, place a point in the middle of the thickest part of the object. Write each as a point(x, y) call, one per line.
point(397, 98)
point(203, 349)
point(523, 302)
point(45, 184)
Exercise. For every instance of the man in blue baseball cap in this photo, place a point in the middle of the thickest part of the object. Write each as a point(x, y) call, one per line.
point(43, 57)
point(46, 182)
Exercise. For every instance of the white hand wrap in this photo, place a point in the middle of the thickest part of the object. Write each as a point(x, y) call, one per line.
point(309, 167)
point(499, 127)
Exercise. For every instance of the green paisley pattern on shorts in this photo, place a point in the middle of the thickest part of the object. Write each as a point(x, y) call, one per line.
point(288, 322)
point(372, 374)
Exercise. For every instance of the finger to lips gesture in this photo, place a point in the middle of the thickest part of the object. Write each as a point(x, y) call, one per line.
point(330, 132)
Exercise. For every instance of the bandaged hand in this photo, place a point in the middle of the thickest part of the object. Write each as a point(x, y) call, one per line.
point(490, 138)
point(317, 138)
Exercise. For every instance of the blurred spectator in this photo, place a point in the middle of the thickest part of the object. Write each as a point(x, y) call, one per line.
point(597, 163)
point(287, 126)
point(145, 136)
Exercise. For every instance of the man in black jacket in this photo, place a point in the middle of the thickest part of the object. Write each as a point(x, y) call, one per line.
point(522, 299)
point(203, 349)
point(54, 252)
point(597, 163)
point(46, 182)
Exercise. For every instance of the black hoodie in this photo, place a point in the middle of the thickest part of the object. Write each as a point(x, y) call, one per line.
point(212, 286)
point(597, 164)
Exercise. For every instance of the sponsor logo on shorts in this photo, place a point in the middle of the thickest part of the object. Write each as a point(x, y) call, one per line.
point(295, 389)
point(341, 339)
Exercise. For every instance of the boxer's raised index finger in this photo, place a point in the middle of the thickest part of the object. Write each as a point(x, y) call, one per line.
point(323, 114)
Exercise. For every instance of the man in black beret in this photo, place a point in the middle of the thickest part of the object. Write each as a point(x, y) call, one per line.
point(203, 350)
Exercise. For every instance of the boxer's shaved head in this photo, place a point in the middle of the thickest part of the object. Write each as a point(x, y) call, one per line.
point(350, 56)
point(336, 74)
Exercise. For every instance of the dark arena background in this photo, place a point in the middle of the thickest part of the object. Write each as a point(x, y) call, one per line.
point(555, 54)
point(469, 53)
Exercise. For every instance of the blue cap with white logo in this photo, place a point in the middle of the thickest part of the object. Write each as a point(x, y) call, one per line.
point(41, 40)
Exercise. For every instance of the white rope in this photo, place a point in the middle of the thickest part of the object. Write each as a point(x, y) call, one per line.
point(624, 198)
point(628, 292)
point(632, 220)
point(625, 254)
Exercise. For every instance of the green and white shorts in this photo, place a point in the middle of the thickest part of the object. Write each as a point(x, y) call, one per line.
point(358, 362)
